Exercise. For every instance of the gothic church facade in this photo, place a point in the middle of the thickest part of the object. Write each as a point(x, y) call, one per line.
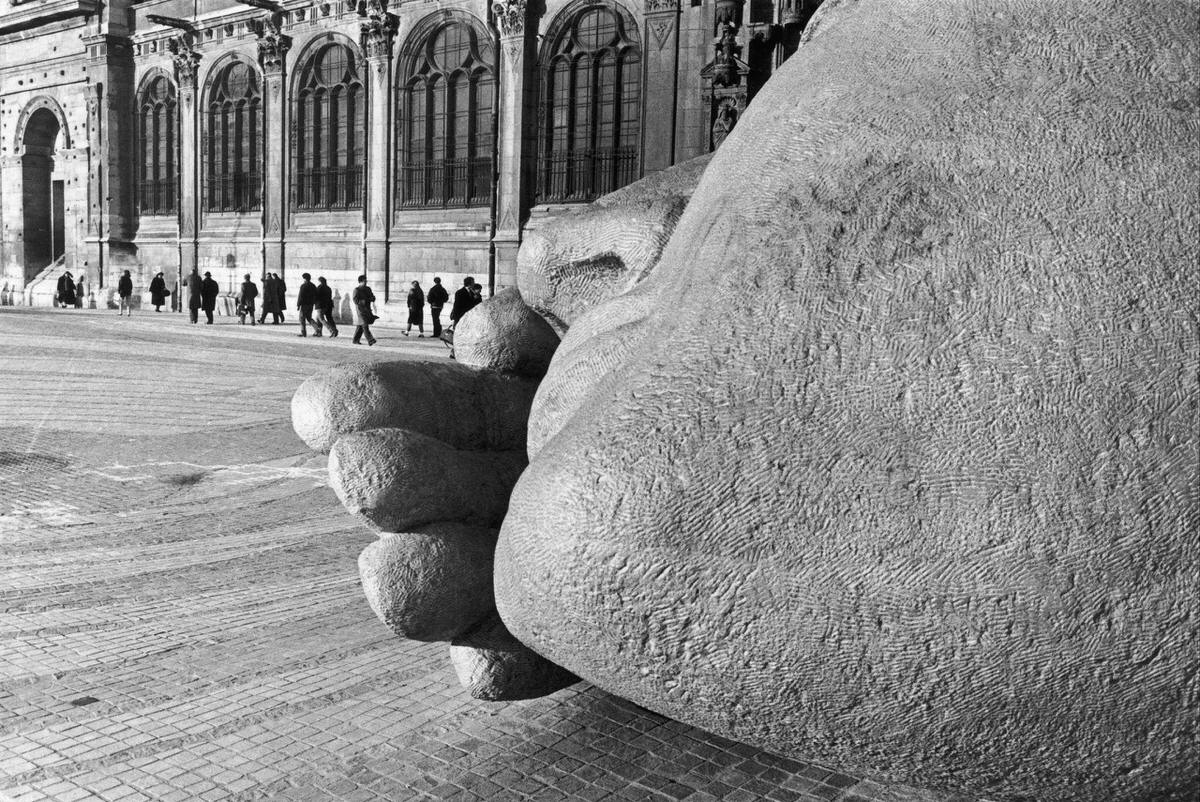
point(339, 137)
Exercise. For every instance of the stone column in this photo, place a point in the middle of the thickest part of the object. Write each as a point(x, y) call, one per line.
point(514, 191)
point(662, 84)
point(272, 55)
point(377, 34)
point(187, 62)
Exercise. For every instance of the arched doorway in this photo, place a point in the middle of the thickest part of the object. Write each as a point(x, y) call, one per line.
point(42, 195)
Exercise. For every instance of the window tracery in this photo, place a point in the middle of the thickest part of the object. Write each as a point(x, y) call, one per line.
point(445, 121)
point(233, 141)
point(329, 148)
point(591, 104)
point(157, 143)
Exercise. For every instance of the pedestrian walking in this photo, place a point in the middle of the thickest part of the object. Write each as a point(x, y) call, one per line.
point(125, 294)
point(437, 298)
point(416, 310)
point(325, 307)
point(281, 297)
point(66, 290)
point(193, 285)
point(245, 300)
point(270, 301)
point(364, 316)
point(476, 296)
point(158, 292)
point(79, 293)
point(463, 301)
point(306, 299)
point(209, 290)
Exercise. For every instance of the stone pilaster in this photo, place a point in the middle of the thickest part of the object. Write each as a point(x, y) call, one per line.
point(111, 163)
point(273, 46)
point(662, 84)
point(378, 32)
point(512, 202)
point(11, 223)
point(187, 62)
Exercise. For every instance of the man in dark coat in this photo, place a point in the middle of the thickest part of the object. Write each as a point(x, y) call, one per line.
point(363, 315)
point(437, 298)
point(325, 307)
point(193, 285)
point(125, 294)
point(281, 295)
point(463, 301)
point(246, 300)
point(66, 290)
point(306, 299)
point(269, 299)
point(209, 290)
point(158, 292)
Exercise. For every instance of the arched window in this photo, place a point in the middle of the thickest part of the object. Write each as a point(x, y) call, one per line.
point(591, 101)
point(156, 147)
point(445, 122)
point(330, 130)
point(233, 141)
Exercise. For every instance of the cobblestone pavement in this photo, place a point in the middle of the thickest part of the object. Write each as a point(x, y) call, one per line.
point(180, 615)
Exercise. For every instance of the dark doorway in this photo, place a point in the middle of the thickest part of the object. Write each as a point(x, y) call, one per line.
point(42, 207)
point(57, 246)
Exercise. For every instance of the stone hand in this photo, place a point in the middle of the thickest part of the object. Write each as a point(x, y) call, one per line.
point(427, 454)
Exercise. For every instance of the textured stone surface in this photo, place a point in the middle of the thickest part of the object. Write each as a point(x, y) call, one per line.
point(431, 584)
point(901, 473)
point(493, 665)
point(181, 618)
point(465, 408)
point(505, 334)
point(577, 261)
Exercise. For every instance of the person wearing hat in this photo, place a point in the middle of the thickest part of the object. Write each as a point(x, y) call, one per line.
point(66, 290)
point(306, 299)
point(209, 290)
point(246, 300)
point(158, 291)
point(193, 285)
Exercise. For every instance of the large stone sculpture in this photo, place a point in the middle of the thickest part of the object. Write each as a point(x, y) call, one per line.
point(891, 462)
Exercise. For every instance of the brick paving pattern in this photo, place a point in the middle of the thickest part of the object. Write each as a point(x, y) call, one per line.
point(180, 614)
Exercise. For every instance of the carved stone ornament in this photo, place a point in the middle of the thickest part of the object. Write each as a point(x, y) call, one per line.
point(378, 30)
point(186, 60)
point(273, 44)
point(662, 29)
point(660, 6)
point(510, 17)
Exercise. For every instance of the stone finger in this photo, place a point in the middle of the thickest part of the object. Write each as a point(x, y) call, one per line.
point(505, 334)
point(433, 584)
point(395, 480)
point(464, 407)
point(493, 665)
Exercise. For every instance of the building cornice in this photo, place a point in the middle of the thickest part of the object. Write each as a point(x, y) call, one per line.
point(32, 15)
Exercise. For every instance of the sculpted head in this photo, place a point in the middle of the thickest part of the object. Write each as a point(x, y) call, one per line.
point(889, 458)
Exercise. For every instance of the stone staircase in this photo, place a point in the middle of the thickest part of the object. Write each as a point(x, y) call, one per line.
point(40, 291)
